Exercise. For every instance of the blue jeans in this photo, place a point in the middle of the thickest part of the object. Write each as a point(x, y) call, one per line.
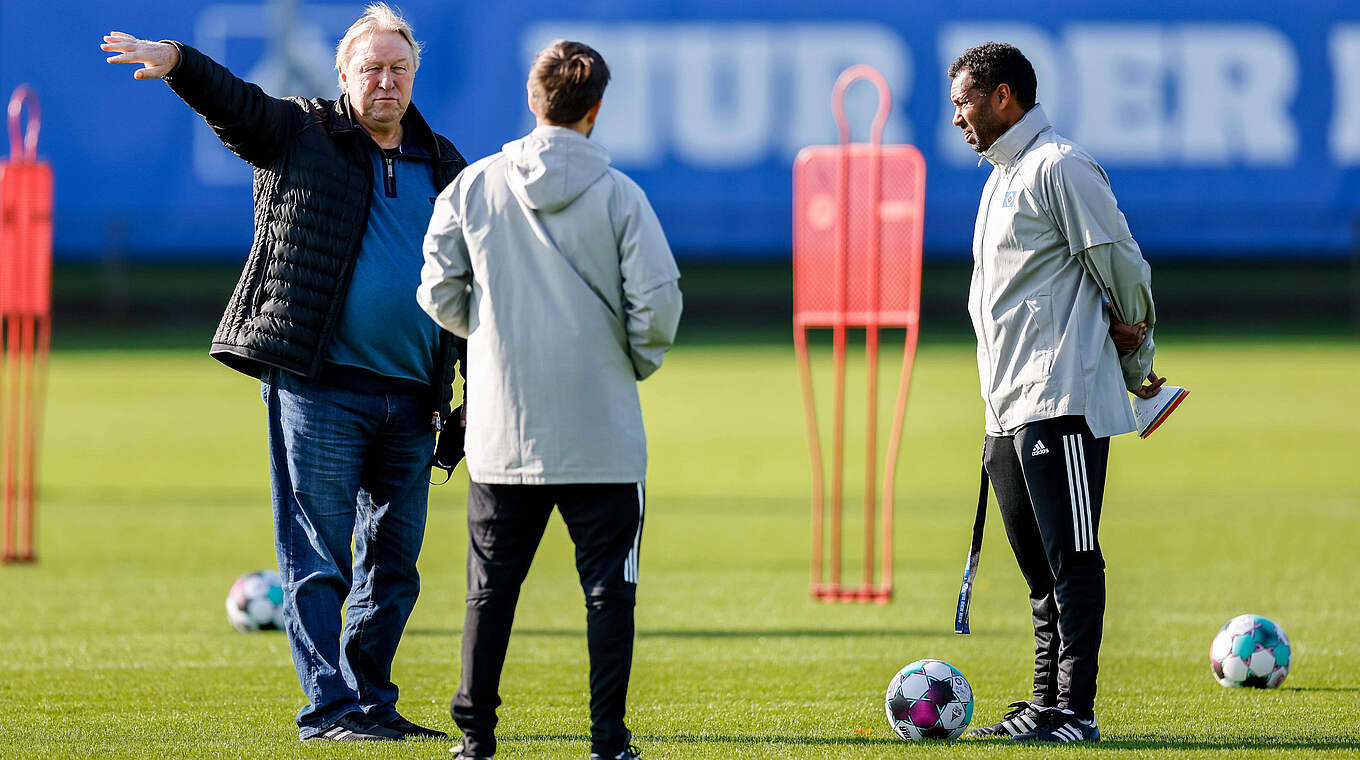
point(347, 469)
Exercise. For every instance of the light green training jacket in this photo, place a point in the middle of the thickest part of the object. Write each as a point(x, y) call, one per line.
point(554, 267)
point(1049, 242)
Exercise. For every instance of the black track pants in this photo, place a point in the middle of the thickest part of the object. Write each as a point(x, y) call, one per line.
point(1049, 479)
point(505, 525)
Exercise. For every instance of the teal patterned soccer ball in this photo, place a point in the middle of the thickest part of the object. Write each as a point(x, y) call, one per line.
point(1250, 651)
point(255, 602)
point(929, 699)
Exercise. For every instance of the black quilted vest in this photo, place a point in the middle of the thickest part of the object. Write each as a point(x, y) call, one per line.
point(312, 187)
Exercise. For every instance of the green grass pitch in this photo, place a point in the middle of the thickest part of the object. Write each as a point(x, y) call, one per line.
point(155, 497)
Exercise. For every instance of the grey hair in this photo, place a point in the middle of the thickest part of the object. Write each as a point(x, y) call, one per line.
point(377, 17)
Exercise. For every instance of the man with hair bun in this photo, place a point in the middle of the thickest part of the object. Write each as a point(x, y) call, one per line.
point(1061, 301)
point(556, 270)
point(355, 379)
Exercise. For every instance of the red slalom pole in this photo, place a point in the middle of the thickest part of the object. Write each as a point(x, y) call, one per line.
point(858, 210)
point(12, 438)
point(25, 314)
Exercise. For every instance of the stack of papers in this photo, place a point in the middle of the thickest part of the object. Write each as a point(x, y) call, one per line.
point(1150, 413)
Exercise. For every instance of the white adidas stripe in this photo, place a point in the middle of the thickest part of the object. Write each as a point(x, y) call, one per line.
point(1074, 455)
point(1072, 490)
point(630, 565)
point(1085, 484)
point(1067, 733)
point(1080, 538)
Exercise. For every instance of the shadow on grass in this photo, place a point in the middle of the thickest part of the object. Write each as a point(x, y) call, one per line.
point(1320, 688)
point(1116, 745)
point(801, 741)
point(760, 633)
point(1317, 745)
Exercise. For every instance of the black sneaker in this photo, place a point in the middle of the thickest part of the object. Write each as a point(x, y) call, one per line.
point(1023, 716)
point(354, 727)
point(632, 753)
point(410, 730)
point(459, 754)
point(1057, 725)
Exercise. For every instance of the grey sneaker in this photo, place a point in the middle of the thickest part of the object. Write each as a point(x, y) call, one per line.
point(1023, 716)
point(1056, 725)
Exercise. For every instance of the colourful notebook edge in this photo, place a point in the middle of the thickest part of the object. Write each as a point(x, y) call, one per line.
point(1171, 407)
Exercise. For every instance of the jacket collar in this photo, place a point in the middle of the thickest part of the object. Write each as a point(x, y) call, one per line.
point(1013, 142)
point(342, 121)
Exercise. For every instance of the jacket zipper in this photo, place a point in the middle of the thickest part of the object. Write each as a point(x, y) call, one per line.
point(982, 301)
point(390, 175)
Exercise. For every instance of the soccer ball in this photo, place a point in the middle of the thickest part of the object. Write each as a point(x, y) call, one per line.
point(1250, 651)
point(929, 699)
point(255, 602)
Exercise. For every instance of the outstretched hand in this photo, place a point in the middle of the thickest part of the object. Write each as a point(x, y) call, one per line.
point(157, 58)
point(1153, 387)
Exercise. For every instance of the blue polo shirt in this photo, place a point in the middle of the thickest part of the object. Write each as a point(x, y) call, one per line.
point(381, 329)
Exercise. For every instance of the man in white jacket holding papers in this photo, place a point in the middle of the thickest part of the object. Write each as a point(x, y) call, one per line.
point(1053, 260)
point(554, 267)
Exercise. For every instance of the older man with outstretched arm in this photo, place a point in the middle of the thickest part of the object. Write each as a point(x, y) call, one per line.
point(355, 378)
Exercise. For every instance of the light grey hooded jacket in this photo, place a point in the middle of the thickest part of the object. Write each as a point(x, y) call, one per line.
point(555, 268)
point(1049, 245)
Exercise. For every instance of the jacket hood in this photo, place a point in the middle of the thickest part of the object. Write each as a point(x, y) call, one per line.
point(550, 167)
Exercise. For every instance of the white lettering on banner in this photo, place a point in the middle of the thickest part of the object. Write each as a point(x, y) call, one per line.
point(1144, 94)
point(1120, 72)
point(728, 96)
point(626, 120)
point(298, 60)
point(820, 54)
point(1236, 84)
point(1033, 40)
point(1344, 134)
point(723, 94)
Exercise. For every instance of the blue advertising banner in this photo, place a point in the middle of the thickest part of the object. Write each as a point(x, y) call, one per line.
point(1226, 129)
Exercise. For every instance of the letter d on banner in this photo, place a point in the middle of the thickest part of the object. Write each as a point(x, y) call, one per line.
point(25, 322)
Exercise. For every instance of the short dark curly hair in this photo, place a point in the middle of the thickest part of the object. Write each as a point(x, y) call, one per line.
point(995, 63)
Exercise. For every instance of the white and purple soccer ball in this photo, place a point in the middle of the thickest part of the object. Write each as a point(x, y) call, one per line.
point(929, 699)
point(255, 602)
point(1250, 651)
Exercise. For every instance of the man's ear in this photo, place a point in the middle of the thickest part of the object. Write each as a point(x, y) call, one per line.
point(594, 111)
point(1003, 96)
